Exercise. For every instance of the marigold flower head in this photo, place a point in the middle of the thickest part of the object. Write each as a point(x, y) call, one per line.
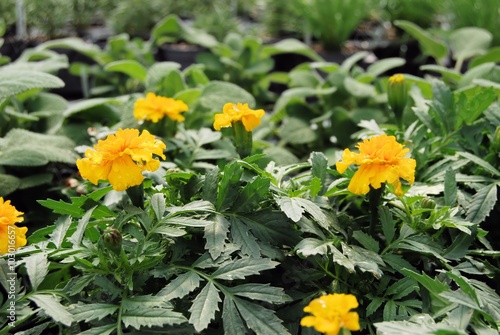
point(154, 108)
point(232, 113)
point(11, 236)
point(332, 312)
point(121, 158)
point(381, 159)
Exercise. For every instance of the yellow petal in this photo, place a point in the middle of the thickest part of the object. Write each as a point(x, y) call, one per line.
point(351, 321)
point(124, 173)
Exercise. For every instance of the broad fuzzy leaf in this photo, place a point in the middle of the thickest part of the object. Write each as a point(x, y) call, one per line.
point(204, 307)
point(241, 268)
point(129, 67)
point(217, 93)
point(15, 81)
point(180, 286)
point(482, 204)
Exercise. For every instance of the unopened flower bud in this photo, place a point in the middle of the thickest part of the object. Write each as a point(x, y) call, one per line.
point(397, 94)
point(427, 203)
point(112, 239)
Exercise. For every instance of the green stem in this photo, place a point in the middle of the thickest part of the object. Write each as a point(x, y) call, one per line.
point(375, 195)
point(242, 140)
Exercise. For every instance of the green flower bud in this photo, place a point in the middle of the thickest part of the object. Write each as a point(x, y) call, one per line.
point(397, 94)
point(112, 239)
point(427, 203)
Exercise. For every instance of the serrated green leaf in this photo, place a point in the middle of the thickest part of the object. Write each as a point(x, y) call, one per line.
point(180, 286)
point(77, 236)
point(479, 161)
point(151, 317)
point(210, 185)
point(434, 286)
point(158, 203)
point(261, 320)
point(319, 164)
point(169, 231)
point(312, 246)
point(228, 186)
point(388, 226)
point(241, 268)
point(204, 307)
point(233, 324)
point(482, 204)
point(145, 302)
point(88, 312)
point(52, 307)
point(251, 194)
point(374, 305)
point(291, 208)
point(129, 67)
point(366, 241)
point(37, 267)
point(450, 188)
point(215, 235)
point(271, 227)
point(389, 310)
point(59, 233)
point(14, 81)
point(365, 260)
point(244, 238)
point(262, 292)
point(103, 330)
point(61, 207)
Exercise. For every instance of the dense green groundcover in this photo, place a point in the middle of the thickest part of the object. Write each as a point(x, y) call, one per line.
point(218, 242)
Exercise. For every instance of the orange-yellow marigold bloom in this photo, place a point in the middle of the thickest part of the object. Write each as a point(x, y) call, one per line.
point(11, 236)
point(121, 158)
point(232, 113)
point(154, 108)
point(381, 160)
point(332, 312)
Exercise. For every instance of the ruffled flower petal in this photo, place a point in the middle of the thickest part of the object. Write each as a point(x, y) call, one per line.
point(154, 108)
point(232, 113)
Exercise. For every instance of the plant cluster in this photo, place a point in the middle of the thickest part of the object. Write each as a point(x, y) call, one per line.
point(197, 201)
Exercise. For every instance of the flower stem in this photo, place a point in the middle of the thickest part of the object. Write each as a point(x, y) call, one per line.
point(374, 196)
point(242, 140)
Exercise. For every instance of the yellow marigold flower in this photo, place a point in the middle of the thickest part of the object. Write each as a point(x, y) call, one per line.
point(11, 236)
point(154, 108)
point(331, 312)
point(232, 113)
point(381, 159)
point(121, 158)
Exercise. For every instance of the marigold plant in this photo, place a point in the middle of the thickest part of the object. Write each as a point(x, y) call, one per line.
point(332, 312)
point(9, 216)
point(232, 113)
point(154, 108)
point(121, 158)
point(382, 160)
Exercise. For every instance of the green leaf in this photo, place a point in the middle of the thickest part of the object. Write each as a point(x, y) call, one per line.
point(8, 184)
point(261, 320)
point(473, 107)
point(315, 211)
point(215, 236)
point(389, 310)
point(297, 94)
point(430, 45)
point(36, 180)
point(479, 161)
point(262, 292)
point(319, 165)
point(291, 208)
point(358, 89)
point(144, 302)
point(434, 286)
point(312, 246)
point(103, 330)
point(241, 268)
point(468, 42)
point(132, 68)
point(204, 307)
point(228, 186)
point(251, 194)
point(59, 233)
point(88, 312)
point(450, 188)
point(77, 236)
point(158, 204)
point(384, 65)
point(210, 185)
point(388, 226)
point(151, 317)
point(53, 308)
point(233, 324)
point(290, 45)
point(217, 93)
point(491, 56)
point(366, 241)
point(14, 81)
point(37, 267)
point(482, 203)
point(443, 107)
point(365, 260)
point(244, 238)
point(180, 286)
point(297, 130)
point(61, 207)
